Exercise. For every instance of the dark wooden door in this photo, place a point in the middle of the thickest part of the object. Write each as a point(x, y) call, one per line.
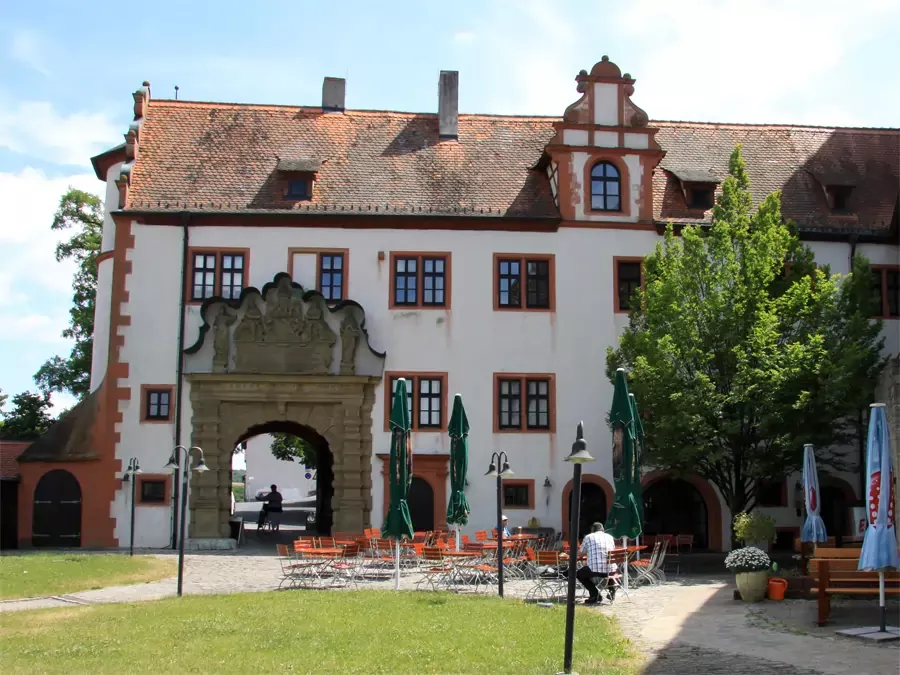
point(421, 504)
point(593, 507)
point(9, 514)
point(57, 511)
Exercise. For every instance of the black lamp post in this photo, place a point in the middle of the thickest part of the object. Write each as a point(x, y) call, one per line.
point(579, 456)
point(499, 471)
point(134, 468)
point(181, 469)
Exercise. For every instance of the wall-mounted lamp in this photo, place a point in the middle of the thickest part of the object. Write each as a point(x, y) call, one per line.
point(547, 483)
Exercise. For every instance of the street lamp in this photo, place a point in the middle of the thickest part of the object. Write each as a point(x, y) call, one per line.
point(579, 456)
point(134, 468)
point(504, 472)
point(175, 464)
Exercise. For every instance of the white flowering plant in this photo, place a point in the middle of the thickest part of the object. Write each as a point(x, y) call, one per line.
point(749, 559)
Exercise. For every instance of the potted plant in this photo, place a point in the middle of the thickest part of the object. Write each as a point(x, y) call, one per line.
point(754, 529)
point(750, 566)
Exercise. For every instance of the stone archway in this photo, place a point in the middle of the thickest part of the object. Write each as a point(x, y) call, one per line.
point(282, 355)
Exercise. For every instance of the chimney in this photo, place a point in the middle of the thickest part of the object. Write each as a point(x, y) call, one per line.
point(333, 90)
point(448, 105)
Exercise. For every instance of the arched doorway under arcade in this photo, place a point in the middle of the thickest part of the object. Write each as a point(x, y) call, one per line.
point(322, 462)
point(682, 505)
point(597, 496)
point(430, 473)
point(836, 498)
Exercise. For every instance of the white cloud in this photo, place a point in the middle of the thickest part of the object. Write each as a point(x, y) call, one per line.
point(730, 60)
point(464, 36)
point(29, 48)
point(36, 129)
point(30, 277)
point(32, 327)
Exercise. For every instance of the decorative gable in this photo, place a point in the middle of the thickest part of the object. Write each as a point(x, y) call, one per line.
point(603, 154)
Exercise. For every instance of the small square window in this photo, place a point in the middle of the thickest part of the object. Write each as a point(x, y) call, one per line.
point(515, 496)
point(298, 189)
point(157, 405)
point(838, 197)
point(700, 198)
point(153, 492)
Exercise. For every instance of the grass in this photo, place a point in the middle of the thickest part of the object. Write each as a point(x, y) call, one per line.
point(311, 631)
point(31, 575)
point(238, 490)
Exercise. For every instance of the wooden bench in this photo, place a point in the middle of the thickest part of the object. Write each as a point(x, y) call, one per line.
point(834, 572)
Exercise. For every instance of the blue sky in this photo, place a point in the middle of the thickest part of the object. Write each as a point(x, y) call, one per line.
point(67, 71)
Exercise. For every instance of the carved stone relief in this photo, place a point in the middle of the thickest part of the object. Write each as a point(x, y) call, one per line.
point(283, 329)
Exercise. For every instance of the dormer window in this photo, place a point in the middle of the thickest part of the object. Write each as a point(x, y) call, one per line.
point(298, 189)
point(297, 176)
point(605, 187)
point(700, 197)
point(838, 197)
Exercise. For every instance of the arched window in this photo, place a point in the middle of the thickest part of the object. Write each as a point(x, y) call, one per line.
point(605, 184)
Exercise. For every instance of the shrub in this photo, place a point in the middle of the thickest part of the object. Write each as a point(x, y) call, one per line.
point(754, 527)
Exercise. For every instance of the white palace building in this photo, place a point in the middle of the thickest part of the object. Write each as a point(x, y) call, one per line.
point(272, 268)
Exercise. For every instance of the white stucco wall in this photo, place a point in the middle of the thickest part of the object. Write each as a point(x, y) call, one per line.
point(470, 341)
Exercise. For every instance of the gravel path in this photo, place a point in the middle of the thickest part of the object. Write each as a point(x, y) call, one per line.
point(689, 625)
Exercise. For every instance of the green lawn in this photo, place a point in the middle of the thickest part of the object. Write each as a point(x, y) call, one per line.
point(311, 632)
point(31, 575)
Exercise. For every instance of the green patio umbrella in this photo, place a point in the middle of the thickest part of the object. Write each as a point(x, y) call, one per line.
point(458, 507)
point(397, 522)
point(624, 518)
point(638, 490)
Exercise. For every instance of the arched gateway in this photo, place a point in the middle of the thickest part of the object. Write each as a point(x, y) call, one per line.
point(282, 355)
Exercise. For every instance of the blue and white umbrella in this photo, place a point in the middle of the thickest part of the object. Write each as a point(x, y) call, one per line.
point(879, 549)
point(813, 528)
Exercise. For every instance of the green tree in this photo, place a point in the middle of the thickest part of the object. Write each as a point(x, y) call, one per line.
point(82, 213)
point(28, 419)
point(737, 358)
point(287, 447)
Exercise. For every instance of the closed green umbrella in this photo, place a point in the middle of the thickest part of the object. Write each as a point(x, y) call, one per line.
point(397, 523)
point(458, 507)
point(638, 490)
point(624, 518)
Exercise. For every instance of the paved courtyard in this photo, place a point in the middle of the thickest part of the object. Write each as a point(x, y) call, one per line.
point(688, 625)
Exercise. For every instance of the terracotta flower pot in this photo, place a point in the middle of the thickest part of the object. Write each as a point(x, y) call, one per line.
point(752, 585)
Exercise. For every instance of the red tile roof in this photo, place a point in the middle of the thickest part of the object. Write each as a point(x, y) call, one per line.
point(9, 453)
point(799, 161)
point(223, 157)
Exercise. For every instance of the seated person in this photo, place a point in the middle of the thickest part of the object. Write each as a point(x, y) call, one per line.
point(597, 546)
point(272, 504)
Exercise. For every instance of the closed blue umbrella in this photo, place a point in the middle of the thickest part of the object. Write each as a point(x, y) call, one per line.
point(813, 527)
point(879, 549)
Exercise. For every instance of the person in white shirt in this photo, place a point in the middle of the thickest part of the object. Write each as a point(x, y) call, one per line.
point(596, 546)
point(504, 522)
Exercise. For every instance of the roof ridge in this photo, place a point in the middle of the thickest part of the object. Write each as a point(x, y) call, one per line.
point(772, 125)
point(410, 114)
point(354, 111)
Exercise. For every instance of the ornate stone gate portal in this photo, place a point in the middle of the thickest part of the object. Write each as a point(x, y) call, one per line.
point(282, 355)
